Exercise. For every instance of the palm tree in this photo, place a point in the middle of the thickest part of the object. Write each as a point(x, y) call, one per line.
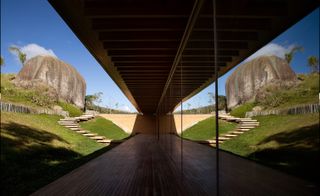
point(289, 55)
point(22, 56)
point(313, 63)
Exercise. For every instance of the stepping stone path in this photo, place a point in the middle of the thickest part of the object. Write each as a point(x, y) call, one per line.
point(73, 124)
point(244, 125)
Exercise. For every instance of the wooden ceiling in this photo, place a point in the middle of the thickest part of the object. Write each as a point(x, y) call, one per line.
point(160, 52)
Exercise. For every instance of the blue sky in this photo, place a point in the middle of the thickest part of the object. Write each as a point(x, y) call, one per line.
point(35, 26)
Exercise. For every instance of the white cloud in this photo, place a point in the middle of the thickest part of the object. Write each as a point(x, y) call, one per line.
point(271, 49)
point(32, 50)
point(125, 108)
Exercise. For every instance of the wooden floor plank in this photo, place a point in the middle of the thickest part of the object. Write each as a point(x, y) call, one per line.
point(144, 166)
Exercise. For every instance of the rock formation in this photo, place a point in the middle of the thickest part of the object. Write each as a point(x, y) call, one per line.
point(243, 83)
point(68, 83)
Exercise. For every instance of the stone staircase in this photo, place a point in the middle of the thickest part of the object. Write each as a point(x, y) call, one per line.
point(73, 124)
point(244, 125)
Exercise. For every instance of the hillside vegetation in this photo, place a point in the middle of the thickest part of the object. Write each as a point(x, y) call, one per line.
point(276, 96)
point(36, 150)
point(40, 97)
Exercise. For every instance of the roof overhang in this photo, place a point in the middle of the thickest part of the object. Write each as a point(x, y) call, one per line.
point(161, 52)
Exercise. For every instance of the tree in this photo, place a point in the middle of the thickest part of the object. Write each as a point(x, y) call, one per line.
point(290, 54)
point(1, 61)
point(22, 56)
point(222, 101)
point(313, 63)
point(211, 97)
point(91, 100)
point(189, 105)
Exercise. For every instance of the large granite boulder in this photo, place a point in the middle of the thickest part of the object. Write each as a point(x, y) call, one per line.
point(243, 84)
point(65, 79)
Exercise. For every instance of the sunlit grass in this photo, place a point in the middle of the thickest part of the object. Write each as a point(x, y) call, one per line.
point(287, 142)
point(104, 127)
point(206, 129)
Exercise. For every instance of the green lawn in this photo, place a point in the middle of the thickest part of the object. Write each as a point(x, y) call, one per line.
point(205, 129)
point(105, 128)
point(35, 150)
point(289, 143)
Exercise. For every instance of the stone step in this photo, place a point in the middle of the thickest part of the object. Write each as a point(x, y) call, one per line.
point(83, 131)
point(223, 138)
point(246, 127)
point(74, 129)
point(236, 132)
point(97, 138)
point(248, 121)
point(90, 134)
point(67, 123)
point(68, 119)
point(87, 116)
point(232, 119)
point(72, 126)
point(251, 123)
point(230, 135)
point(104, 141)
point(239, 129)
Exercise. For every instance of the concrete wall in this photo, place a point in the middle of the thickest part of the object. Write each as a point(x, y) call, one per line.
point(132, 123)
point(188, 120)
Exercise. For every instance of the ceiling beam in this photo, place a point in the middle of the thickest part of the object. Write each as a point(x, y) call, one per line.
point(184, 40)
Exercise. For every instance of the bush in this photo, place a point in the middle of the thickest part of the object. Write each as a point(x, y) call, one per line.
point(73, 110)
point(242, 109)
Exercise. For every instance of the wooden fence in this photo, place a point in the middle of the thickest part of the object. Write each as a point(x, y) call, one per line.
point(9, 107)
point(301, 109)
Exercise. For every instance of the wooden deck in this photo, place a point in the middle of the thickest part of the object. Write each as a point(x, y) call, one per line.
point(144, 166)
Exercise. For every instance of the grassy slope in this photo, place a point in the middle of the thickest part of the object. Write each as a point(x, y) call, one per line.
point(31, 98)
point(241, 110)
point(73, 110)
point(206, 129)
point(35, 150)
point(10, 93)
point(105, 128)
point(305, 93)
point(289, 143)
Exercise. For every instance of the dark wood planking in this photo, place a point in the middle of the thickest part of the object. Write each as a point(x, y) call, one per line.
point(223, 24)
point(173, 9)
point(156, 168)
point(172, 52)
